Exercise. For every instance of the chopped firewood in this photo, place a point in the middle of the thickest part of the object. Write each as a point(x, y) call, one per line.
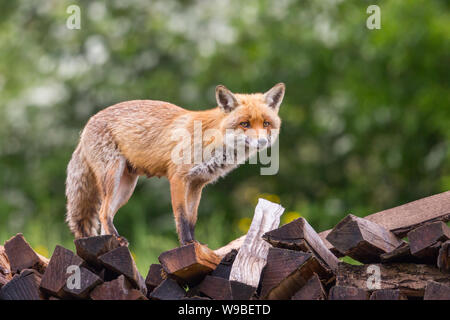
point(118, 289)
point(189, 264)
point(106, 274)
point(242, 291)
point(252, 255)
point(216, 288)
point(154, 277)
point(347, 293)
point(121, 261)
point(87, 281)
point(233, 245)
point(425, 240)
point(399, 220)
point(21, 256)
point(387, 294)
point(443, 261)
point(400, 254)
point(5, 271)
point(55, 276)
point(299, 235)
point(312, 290)
point(90, 248)
point(23, 286)
point(362, 240)
point(223, 269)
point(287, 271)
point(410, 279)
point(437, 291)
point(402, 219)
point(169, 289)
point(195, 298)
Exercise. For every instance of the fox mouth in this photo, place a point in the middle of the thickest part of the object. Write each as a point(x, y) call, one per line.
point(258, 145)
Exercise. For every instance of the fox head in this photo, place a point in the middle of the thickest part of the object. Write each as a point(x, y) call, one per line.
point(250, 119)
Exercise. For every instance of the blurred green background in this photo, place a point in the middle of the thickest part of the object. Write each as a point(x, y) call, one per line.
point(366, 116)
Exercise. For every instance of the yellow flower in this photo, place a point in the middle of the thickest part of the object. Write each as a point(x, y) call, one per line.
point(133, 255)
point(244, 224)
point(43, 251)
point(290, 216)
point(270, 197)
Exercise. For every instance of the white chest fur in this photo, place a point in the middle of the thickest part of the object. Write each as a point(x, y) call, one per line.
point(216, 166)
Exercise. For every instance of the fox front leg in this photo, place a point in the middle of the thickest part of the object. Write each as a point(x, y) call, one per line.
point(193, 195)
point(184, 225)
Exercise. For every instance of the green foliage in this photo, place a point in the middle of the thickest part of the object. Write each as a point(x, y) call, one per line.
point(350, 260)
point(365, 117)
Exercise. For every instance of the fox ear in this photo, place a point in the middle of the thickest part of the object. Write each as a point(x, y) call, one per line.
point(225, 99)
point(274, 96)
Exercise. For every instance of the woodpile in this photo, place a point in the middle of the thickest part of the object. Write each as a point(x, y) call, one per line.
point(402, 253)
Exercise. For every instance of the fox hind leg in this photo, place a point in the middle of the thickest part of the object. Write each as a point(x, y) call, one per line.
point(118, 185)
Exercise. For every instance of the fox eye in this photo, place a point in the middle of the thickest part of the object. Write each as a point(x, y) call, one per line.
point(245, 124)
point(266, 123)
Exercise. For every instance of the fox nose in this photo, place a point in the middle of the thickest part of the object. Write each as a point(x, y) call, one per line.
point(262, 142)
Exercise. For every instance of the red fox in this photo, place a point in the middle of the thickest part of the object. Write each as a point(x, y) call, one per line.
point(133, 138)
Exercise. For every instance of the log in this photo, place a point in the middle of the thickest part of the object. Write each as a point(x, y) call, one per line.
point(223, 269)
point(252, 255)
point(299, 235)
point(21, 256)
point(5, 271)
point(362, 240)
point(106, 274)
point(399, 220)
point(215, 288)
point(169, 289)
point(155, 276)
point(425, 241)
point(23, 286)
point(88, 281)
point(118, 289)
point(410, 279)
point(347, 293)
point(443, 261)
point(312, 290)
point(195, 298)
point(437, 291)
point(402, 219)
point(120, 261)
point(219, 288)
point(242, 291)
point(387, 294)
point(189, 264)
point(400, 254)
point(90, 248)
point(287, 271)
point(233, 245)
point(55, 276)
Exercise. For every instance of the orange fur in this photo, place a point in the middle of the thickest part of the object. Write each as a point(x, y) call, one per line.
point(133, 138)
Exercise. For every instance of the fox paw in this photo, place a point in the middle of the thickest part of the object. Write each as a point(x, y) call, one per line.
point(191, 242)
point(123, 241)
